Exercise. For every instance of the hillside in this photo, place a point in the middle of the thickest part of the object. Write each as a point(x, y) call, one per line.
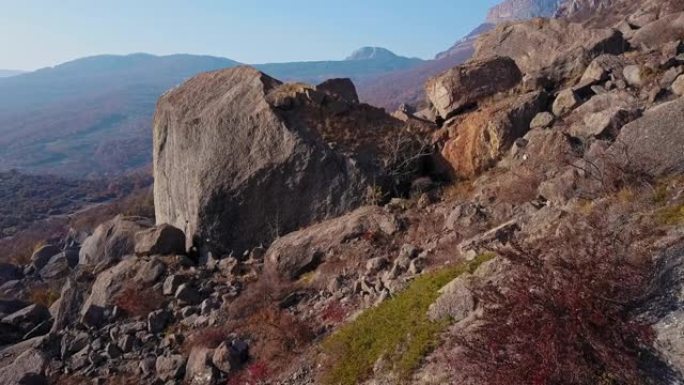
point(8, 73)
point(530, 231)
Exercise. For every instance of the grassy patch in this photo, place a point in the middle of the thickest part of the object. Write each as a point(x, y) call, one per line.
point(671, 215)
point(398, 330)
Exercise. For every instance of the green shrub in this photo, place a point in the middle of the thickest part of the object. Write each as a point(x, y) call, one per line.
point(398, 330)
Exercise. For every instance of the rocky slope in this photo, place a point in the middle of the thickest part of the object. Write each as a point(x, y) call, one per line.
point(536, 239)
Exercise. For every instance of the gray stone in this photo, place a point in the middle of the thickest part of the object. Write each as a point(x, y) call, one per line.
point(162, 239)
point(28, 317)
point(186, 294)
point(28, 368)
point(375, 265)
point(604, 124)
point(199, 370)
point(653, 143)
point(301, 251)
point(655, 34)
point(9, 272)
point(111, 241)
point(150, 272)
point(56, 268)
point(107, 286)
point(113, 351)
point(542, 120)
point(668, 339)
point(171, 284)
point(157, 320)
point(341, 88)
point(565, 102)
point(468, 83)
point(633, 75)
point(43, 254)
point(678, 86)
point(222, 358)
point(170, 367)
point(66, 309)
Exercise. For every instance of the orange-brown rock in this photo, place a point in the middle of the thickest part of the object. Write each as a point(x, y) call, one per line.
point(478, 139)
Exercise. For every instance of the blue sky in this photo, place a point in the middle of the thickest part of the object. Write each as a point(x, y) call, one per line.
point(39, 33)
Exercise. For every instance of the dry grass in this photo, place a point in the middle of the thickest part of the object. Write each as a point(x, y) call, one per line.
point(43, 296)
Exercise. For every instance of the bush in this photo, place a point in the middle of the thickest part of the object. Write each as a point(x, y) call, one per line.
point(137, 301)
point(398, 330)
point(564, 314)
point(43, 296)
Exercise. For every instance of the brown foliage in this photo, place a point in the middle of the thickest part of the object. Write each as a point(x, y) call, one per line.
point(138, 301)
point(564, 315)
point(43, 295)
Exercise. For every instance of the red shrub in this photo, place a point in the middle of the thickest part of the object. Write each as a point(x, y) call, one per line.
point(137, 301)
point(334, 312)
point(563, 315)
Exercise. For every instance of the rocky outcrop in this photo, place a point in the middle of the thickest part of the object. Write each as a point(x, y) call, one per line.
point(295, 253)
point(163, 240)
point(277, 171)
point(568, 47)
point(653, 143)
point(464, 85)
point(666, 29)
point(111, 241)
point(478, 139)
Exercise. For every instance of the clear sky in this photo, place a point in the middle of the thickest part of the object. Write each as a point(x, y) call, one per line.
point(39, 33)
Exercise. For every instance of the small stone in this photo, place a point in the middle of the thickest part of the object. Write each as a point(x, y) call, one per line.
point(678, 86)
point(113, 351)
point(186, 294)
point(633, 75)
point(170, 367)
point(375, 265)
point(565, 102)
point(157, 320)
point(127, 343)
point(542, 120)
point(222, 358)
point(171, 284)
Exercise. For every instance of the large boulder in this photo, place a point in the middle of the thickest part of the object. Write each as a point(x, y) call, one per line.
point(653, 143)
point(342, 88)
point(240, 158)
point(480, 138)
point(300, 251)
point(162, 240)
point(27, 369)
point(666, 29)
point(557, 48)
point(464, 85)
point(111, 240)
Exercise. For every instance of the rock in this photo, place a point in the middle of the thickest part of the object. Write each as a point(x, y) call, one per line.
point(43, 254)
point(668, 341)
point(565, 102)
point(568, 47)
point(653, 143)
point(375, 265)
point(456, 301)
point(301, 251)
point(655, 34)
point(670, 76)
point(170, 367)
point(112, 351)
point(222, 358)
point(157, 320)
point(13, 289)
point(111, 241)
point(186, 294)
point(28, 317)
point(9, 272)
point(466, 84)
point(480, 138)
point(149, 272)
point(633, 75)
point(604, 124)
point(599, 70)
point(542, 120)
point(341, 88)
point(110, 282)
point(199, 370)
point(66, 309)
point(225, 195)
point(56, 268)
point(163, 239)
point(678, 86)
point(27, 369)
point(171, 284)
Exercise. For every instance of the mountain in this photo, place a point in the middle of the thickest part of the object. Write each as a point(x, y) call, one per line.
point(91, 116)
point(512, 10)
point(364, 63)
point(8, 73)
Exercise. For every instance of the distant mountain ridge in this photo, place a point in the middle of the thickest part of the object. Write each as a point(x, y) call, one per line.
point(92, 116)
point(8, 73)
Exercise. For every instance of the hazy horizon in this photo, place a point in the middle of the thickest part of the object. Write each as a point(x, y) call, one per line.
point(260, 32)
